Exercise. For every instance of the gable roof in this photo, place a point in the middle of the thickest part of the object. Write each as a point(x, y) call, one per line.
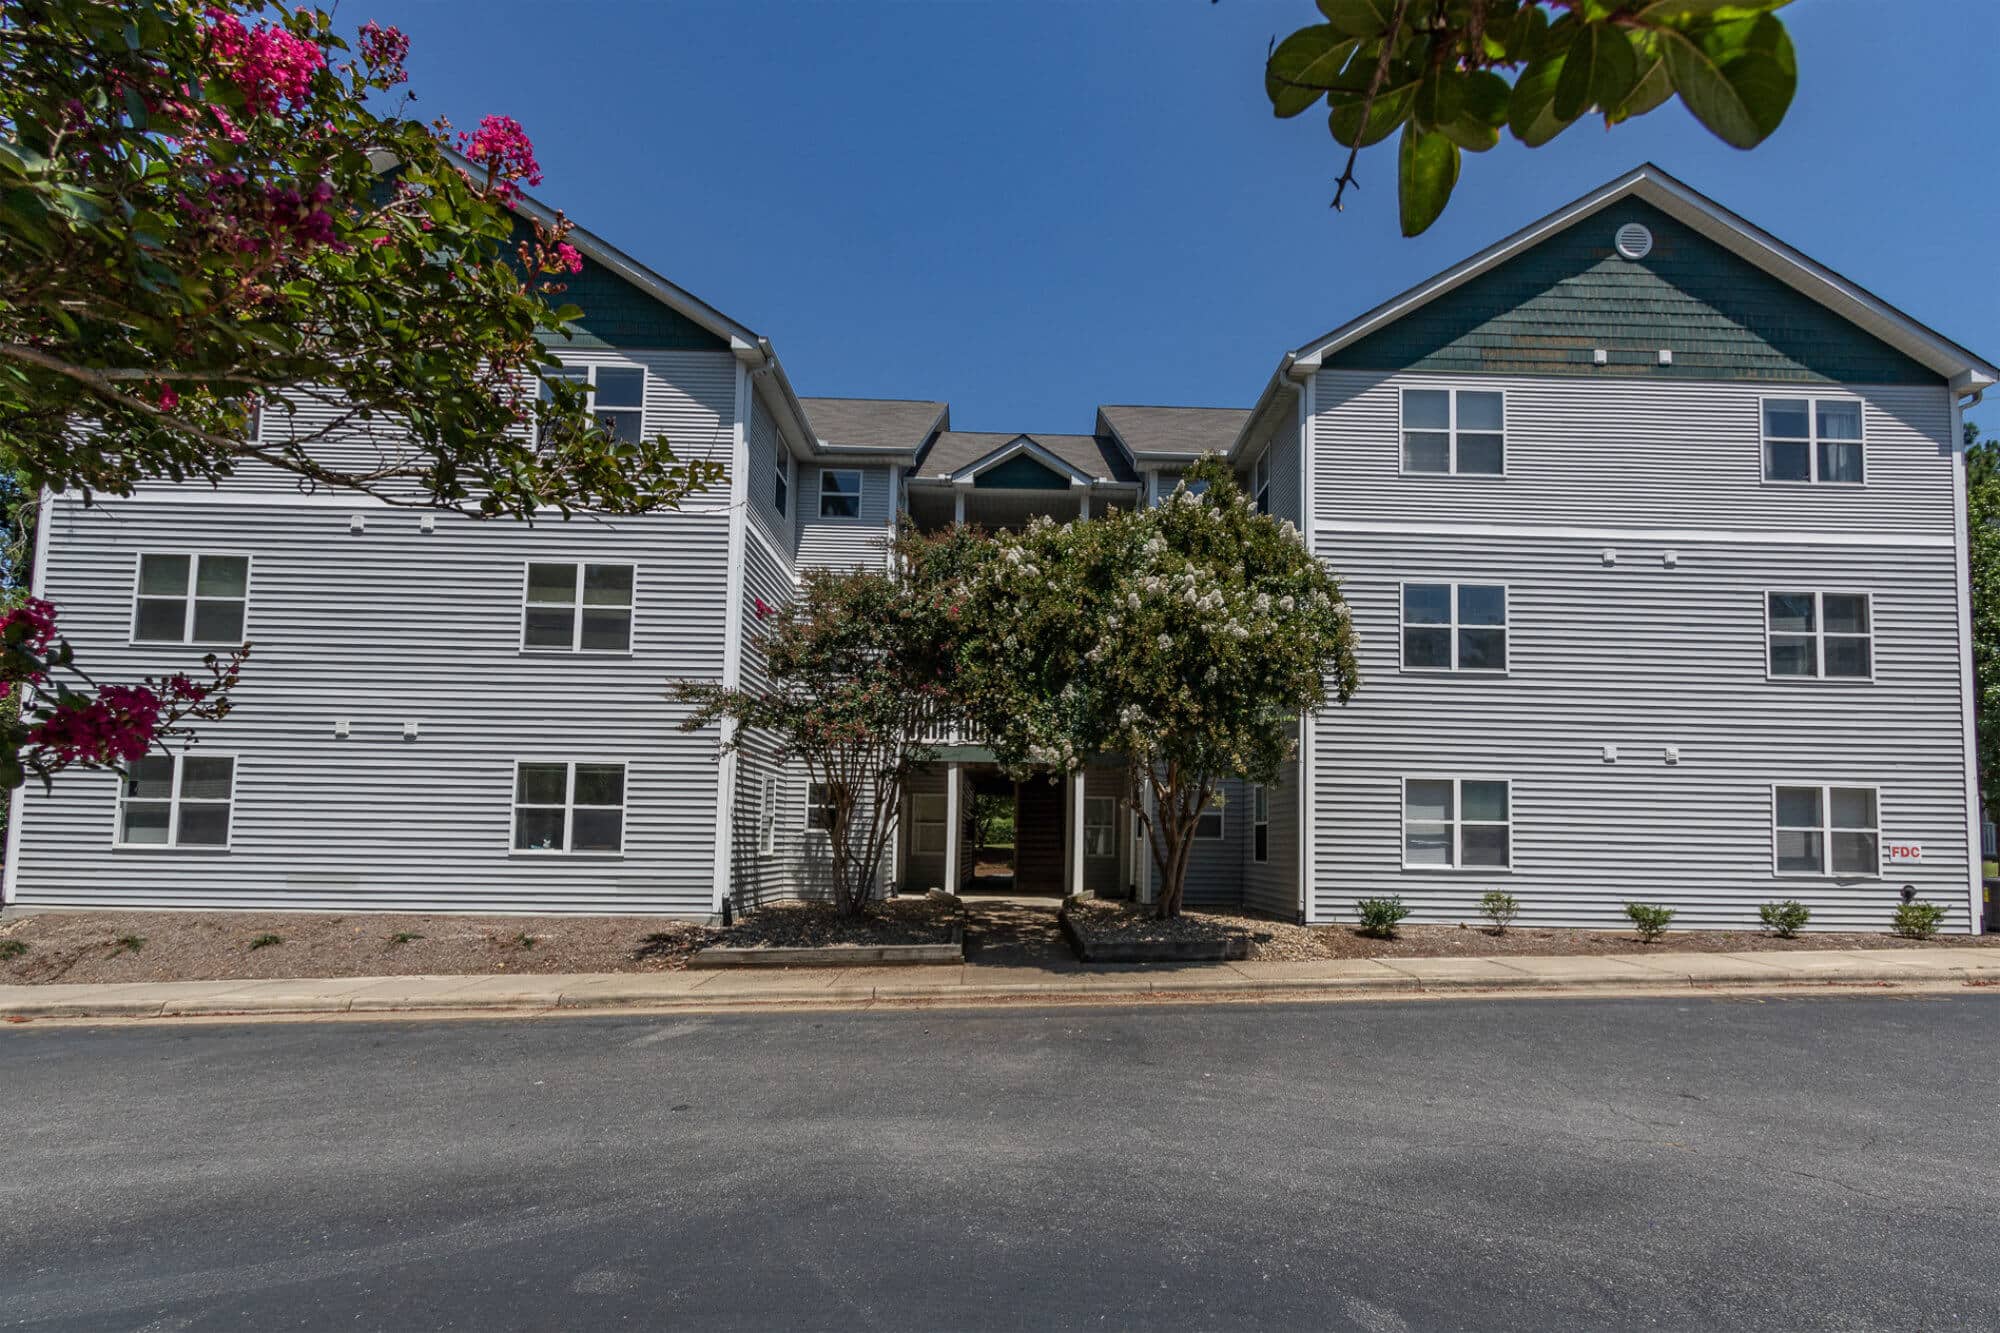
point(902, 424)
point(1966, 372)
point(960, 453)
point(1172, 432)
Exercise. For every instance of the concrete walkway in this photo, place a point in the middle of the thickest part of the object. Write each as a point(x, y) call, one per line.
point(963, 984)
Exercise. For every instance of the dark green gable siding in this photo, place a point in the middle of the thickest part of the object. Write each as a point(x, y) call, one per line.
point(1021, 473)
point(1544, 311)
point(617, 314)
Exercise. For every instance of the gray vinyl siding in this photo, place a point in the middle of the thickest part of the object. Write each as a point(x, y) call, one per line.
point(1642, 656)
point(845, 543)
point(765, 450)
point(1644, 453)
point(1215, 865)
point(1272, 885)
point(690, 398)
point(758, 876)
point(381, 627)
point(922, 872)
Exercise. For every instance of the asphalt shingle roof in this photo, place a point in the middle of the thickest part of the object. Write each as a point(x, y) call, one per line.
point(897, 423)
point(1185, 431)
point(956, 450)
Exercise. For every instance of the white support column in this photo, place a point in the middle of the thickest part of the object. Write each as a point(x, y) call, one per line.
point(1077, 787)
point(1084, 510)
point(951, 829)
point(958, 505)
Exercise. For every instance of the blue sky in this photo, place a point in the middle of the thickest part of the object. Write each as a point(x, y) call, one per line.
point(1030, 207)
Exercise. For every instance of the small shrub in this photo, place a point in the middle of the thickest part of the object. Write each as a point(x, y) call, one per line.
point(1648, 920)
point(1380, 915)
point(524, 941)
point(1918, 921)
point(1500, 908)
point(404, 937)
point(266, 941)
point(12, 948)
point(127, 944)
point(1784, 919)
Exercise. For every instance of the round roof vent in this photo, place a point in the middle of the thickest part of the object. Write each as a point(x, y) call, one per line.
point(1634, 241)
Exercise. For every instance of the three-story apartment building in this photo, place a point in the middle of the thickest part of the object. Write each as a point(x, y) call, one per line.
point(1652, 528)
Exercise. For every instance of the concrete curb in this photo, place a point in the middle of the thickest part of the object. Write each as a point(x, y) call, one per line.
point(852, 988)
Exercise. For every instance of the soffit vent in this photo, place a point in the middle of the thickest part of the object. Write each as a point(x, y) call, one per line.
point(1634, 241)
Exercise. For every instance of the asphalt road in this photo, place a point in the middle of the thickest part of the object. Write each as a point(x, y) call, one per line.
point(1659, 1163)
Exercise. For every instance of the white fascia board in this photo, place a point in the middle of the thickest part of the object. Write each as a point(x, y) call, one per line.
point(1023, 444)
point(1742, 238)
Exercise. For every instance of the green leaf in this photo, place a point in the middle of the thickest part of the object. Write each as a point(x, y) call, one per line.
point(1392, 108)
point(1359, 18)
point(1531, 108)
point(1599, 68)
point(1740, 97)
point(1303, 67)
point(1426, 171)
point(1439, 97)
point(1655, 86)
point(1681, 11)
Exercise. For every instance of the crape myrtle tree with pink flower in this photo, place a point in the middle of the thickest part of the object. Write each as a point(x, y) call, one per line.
point(212, 212)
point(1186, 639)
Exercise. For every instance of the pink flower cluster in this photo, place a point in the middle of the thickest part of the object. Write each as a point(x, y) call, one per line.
point(384, 50)
point(40, 620)
point(502, 147)
point(267, 64)
point(301, 214)
point(117, 725)
point(566, 257)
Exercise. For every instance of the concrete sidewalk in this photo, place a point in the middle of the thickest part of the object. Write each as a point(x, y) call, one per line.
point(959, 984)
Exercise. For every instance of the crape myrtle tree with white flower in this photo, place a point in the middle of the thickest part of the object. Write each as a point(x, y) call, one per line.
point(855, 669)
point(1187, 638)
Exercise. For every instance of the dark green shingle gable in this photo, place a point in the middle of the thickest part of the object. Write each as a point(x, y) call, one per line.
point(1021, 473)
point(1544, 311)
point(618, 314)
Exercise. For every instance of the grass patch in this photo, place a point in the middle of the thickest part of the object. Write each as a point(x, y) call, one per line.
point(12, 949)
point(127, 944)
point(524, 941)
point(266, 941)
point(404, 937)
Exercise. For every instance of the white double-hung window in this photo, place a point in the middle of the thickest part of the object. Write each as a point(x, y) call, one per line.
point(176, 800)
point(1260, 481)
point(1830, 635)
point(840, 492)
point(1260, 823)
point(560, 806)
point(1209, 825)
point(1098, 813)
point(579, 607)
point(1826, 831)
point(1813, 440)
point(191, 599)
point(615, 395)
point(1454, 627)
point(1455, 431)
point(1457, 823)
point(928, 816)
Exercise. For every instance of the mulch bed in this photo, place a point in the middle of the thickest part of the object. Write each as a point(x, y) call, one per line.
point(1285, 942)
point(224, 946)
point(797, 925)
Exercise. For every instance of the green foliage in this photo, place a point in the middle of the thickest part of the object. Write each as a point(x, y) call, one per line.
point(182, 241)
point(857, 671)
point(10, 949)
point(1982, 500)
point(1784, 919)
point(1917, 921)
point(1440, 70)
point(266, 941)
point(523, 942)
point(127, 944)
point(1379, 916)
point(404, 937)
point(1500, 908)
point(1186, 638)
point(1651, 922)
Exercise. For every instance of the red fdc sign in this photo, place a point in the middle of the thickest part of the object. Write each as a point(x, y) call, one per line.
point(1903, 853)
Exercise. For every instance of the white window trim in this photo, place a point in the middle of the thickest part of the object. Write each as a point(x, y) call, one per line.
point(860, 494)
point(173, 842)
point(1818, 636)
point(767, 817)
point(1451, 391)
point(1506, 628)
point(1826, 832)
point(808, 825)
point(187, 616)
point(576, 647)
point(1458, 823)
point(568, 807)
point(1260, 482)
point(1109, 824)
point(782, 475)
point(1812, 441)
point(590, 368)
point(1220, 809)
point(1260, 818)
